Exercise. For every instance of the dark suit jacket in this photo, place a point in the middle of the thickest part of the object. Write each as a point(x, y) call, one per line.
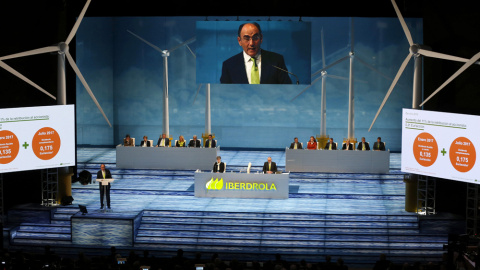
point(107, 175)
point(273, 168)
point(334, 146)
point(143, 142)
point(299, 145)
point(344, 147)
point(167, 142)
point(193, 143)
point(213, 143)
point(359, 147)
point(233, 69)
point(222, 167)
point(380, 147)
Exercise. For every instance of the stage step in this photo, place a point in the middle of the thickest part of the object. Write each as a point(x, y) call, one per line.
point(57, 232)
point(316, 236)
point(260, 234)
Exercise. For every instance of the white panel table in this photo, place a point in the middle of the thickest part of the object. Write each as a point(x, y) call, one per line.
point(337, 161)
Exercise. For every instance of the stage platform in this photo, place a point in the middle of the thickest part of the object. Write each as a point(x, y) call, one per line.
point(353, 216)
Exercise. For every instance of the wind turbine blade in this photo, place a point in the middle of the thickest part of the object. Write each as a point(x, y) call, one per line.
point(188, 47)
point(403, 23)
point(331, 65)
point(16, 73)
point(337, 77)
point(395, 80)
point(84, 82)
point(77, 23)
point(462, 69)
point(31, 52)
point(306, 88)
point(372, 68)
point(352, 36)
point(182, 44)
point(148, 43)
point(323, 50)
point(344, 78)
point(198, 90)
point(442, 56)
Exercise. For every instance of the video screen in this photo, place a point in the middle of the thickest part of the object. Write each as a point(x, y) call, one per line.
point(284, 46)
point(34, 138)
point(441, 145)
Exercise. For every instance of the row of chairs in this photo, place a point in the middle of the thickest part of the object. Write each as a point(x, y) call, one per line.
point(336, 145)
point(174, 143)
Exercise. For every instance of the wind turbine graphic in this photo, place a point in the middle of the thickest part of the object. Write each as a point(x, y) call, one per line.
point(417, 51)
point(208, 112)
point(62, 50)
point(165, 55)
point(323, 137)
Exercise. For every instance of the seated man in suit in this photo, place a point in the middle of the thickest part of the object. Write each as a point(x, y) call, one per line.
point(295, 144)
point(194, 142)
point(145, 142)
point(379, 145)
point(210, 142)
point(219, 166)
point(331, 145)
point(163, 141)
point(127, 141)
point(269, 167)
point(254, 65)
point(347, 145)
point(363, 145)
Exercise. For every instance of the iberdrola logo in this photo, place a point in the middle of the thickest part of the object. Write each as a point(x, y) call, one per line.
point(214, 184)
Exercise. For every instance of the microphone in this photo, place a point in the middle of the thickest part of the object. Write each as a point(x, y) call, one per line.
point(284, 70)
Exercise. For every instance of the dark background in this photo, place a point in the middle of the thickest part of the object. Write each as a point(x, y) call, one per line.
point(451, 27)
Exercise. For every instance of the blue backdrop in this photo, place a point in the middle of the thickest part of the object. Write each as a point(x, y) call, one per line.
point(126, 75)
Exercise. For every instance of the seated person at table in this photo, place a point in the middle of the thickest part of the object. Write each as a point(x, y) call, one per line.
point(363, 145)
point(163, 141)
point(181, 142)
point(312, 143)
point(269, 167)
point(127, 141)
point(347, 145)
point(219, 166)
point(145, 142)
point(331, 145)
point(379, 145)
point(194, 142)
point(295, 144)
point(210, 142)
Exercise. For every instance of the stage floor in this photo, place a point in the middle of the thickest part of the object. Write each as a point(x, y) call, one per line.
point(314, 192)
point(353, 216)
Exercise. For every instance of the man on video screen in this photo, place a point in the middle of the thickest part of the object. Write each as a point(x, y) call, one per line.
point(254, 65)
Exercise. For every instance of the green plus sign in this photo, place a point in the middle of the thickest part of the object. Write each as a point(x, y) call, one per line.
point(443, 151)
point(25, 145)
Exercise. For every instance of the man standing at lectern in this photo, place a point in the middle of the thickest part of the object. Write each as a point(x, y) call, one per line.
point(104, 174)
point(254, 65)
point(269, 167)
